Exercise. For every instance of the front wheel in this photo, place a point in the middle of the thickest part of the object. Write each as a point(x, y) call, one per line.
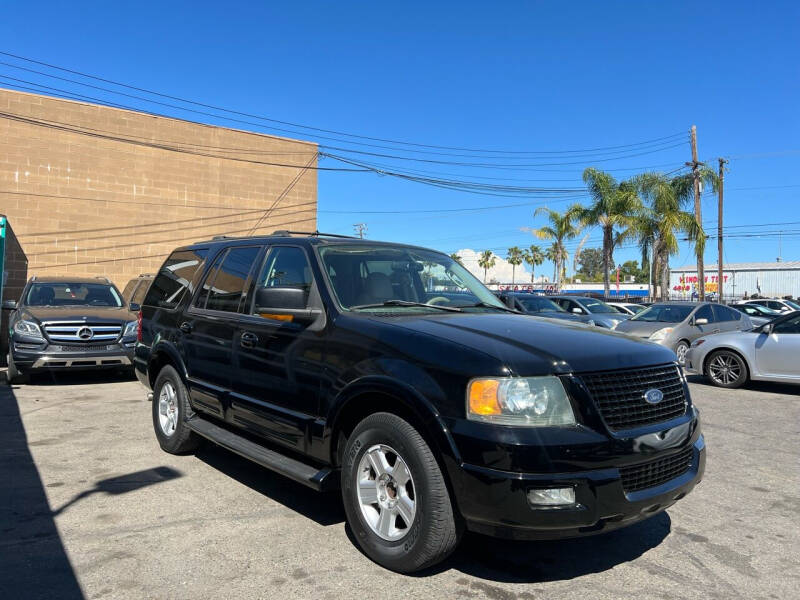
point(680, 351)
point(726, 369)
point(395, 496)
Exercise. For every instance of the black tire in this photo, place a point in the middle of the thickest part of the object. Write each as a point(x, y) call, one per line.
point(681, 348)
point(14, 375)
point(182, 439)
point(435, 530)
point(726, 369)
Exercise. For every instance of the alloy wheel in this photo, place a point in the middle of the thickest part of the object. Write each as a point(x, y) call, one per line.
point(386, 492)
point(724, 369)
point(168, 409)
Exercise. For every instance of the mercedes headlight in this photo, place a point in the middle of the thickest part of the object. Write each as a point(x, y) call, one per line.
point(28, 328)
point(661, 334)
point(130, 329)
point(525, 401)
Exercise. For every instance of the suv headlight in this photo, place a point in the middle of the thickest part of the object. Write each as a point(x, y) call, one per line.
point(28, 328)
point(661, 334)
point(525, 401)
point(130, 329)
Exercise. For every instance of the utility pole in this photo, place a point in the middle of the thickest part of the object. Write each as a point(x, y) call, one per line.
point(698, 212)
point(722, 162)
point(360, 229)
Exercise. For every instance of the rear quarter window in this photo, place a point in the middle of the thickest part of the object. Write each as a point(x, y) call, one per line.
point(174, 278)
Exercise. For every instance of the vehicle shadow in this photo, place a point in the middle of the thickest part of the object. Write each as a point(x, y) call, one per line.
point(509, 561)
point(756, 386)
point(34, 563)
point(48, 378)
point(324, 509)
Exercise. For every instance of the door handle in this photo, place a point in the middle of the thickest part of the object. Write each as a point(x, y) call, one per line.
point(248, 340)
point(186, 327)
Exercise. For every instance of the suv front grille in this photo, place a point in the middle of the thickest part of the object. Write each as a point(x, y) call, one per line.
point(656, 472)
point(619, 395)
point(59, 331)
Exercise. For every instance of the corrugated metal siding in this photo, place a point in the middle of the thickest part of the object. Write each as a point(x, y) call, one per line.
point(773, 282)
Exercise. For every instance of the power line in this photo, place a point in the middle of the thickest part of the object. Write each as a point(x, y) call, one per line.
point(299, 125)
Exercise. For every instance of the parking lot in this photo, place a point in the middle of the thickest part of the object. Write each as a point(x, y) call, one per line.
point(91, 507)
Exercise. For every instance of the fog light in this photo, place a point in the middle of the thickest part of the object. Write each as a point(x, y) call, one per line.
point(552, 496)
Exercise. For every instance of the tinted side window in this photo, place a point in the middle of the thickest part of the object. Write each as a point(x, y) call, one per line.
point(789, 326)
point(776, 305)
point(140, 292)
point(723, 313)
point(228, 288)
point(174, 278)
point(208, 283)
point(285, 280)
point(704, 312)
point(127, 293)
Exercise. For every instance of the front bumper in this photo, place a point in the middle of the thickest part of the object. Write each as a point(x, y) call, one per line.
point(53, 357)
point(500, 465)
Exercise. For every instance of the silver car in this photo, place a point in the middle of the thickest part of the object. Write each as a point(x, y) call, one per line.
point(601, 313)
point(677, 324)
point(768, 353)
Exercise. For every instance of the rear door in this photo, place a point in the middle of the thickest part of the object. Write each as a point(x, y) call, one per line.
point(276, 393)
point(728, 319)
point(777, 354)
point(208, 328)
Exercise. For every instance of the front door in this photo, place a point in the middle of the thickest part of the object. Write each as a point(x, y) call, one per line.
point(209, 325)
point(276, 392)
point(777, 353)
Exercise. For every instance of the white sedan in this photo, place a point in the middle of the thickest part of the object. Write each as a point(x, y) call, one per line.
point(767, 353)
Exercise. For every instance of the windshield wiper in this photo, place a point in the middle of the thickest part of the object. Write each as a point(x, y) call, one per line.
point(482, 304)
point(406, 303)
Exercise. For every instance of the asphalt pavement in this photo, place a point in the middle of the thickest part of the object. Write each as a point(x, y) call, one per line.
point(90, 507)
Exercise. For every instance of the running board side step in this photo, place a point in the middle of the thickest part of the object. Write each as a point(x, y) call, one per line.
point(317, 479)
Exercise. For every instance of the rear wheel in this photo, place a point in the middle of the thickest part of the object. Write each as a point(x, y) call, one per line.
point(726, 369)
point(395, 496)
point(170, 411)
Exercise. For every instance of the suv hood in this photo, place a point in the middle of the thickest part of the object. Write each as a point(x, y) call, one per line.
point(92, 314)
point(532, 346)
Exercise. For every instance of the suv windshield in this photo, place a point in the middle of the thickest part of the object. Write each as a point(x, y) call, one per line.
point(72, 294)
point(365, 277)
point(539, 305)
point(664, 313)
point(597, 306)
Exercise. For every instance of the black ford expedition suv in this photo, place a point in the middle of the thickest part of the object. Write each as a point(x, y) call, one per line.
point(391, 372)
point(70, 323)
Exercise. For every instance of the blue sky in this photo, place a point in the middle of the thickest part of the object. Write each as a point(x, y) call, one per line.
point(522, 76)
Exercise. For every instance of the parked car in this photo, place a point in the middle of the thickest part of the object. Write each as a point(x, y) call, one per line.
point(541, 306)
point(332, 362)
point(767, 353)
point(627, 308)
point(778, 304)
point(677, 324)
point(136, 288)
point(69, 323)
point(602, 314)
point(759, 315)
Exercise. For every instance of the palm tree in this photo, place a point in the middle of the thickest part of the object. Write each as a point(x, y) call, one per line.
point(514, 258)
point(563, 226)
point(614, 205)
point(534, 257)
point(486, 261)
point(663, 218)
point(456, 258)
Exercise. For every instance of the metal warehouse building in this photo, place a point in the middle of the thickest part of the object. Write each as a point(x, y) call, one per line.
point(769, 279)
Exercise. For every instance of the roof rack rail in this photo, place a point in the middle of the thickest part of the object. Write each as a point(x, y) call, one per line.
point(103, 277)
point(286, 232)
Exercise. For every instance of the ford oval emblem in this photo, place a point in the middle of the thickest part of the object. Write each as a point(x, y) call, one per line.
point(653, 396)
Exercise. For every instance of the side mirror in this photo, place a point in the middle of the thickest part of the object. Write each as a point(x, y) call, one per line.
point(701, 321)
point(10, 304)
point(268, 298)
point(577, 311)
point(768, 327)
point(134, 307)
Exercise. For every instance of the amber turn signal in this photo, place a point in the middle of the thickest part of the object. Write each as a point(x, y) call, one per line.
point(483, 397)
